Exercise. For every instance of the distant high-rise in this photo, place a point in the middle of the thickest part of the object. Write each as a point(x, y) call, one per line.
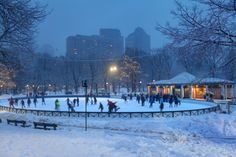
point(108, 44)
point(138, 40)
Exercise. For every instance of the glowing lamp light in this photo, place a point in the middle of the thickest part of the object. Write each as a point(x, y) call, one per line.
point(113, 68)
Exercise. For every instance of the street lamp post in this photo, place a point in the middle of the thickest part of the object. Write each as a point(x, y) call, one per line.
point(85, 85)
point(113, 69)
point(140, 84)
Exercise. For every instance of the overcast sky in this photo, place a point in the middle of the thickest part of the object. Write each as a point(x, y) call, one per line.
point(86, 17)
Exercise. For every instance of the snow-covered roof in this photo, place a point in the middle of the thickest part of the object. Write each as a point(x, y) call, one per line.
point(182, 78)
point(187, 78)
point(211, 80)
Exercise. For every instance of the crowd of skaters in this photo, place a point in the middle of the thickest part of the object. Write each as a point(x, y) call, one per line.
point(173, 101)
point(71, 104)
point(15, 102)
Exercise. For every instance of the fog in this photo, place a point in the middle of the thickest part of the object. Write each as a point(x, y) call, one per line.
point(86, 17)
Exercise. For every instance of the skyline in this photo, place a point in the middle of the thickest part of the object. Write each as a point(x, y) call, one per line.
point(86, 19)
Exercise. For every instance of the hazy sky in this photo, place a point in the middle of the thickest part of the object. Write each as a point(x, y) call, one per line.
point(71, 17)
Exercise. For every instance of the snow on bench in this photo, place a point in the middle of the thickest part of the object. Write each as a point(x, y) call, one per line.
point(9, 121)
point(41, 125)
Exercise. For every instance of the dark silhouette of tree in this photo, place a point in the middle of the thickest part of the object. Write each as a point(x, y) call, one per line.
point(209, 22)
point(18, 22)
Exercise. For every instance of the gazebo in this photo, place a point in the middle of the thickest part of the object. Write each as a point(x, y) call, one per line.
point(187, 85)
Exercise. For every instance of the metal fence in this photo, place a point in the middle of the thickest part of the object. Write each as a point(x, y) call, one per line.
point(193, 112)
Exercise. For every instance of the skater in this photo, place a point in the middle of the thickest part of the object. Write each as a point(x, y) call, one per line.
point(28, 102)
point(35, 101)
point(125, 98)
point(151, 101)
point(161, 106)
point(177, 101)
point(70, 107)
point(142, 100)
point(112, 106)
point(171, 101)
point(74, 102)
point(22, 103)
point(95, 99)
point(16, 101)
point(77, 101)
point(130, 96)
point(138, 98)
point(86, 100)
point(11, 102)
point(67, 101)
point(101, 107)
point(57, 105)
point(43, 101)
point(146, 97)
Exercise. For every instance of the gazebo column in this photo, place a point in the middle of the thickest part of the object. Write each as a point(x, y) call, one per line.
point(182, 91)
point(226, 91)
point(232, 91)
point(157, 88)
point(190, 91)
point(223, 91)
point(207, 89)
point(171, 90)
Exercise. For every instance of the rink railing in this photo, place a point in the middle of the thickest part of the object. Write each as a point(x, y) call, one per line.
point(193, 112)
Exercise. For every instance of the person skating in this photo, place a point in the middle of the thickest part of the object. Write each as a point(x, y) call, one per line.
point(125, 98)
point(95, 99)
point(11, 102)
point(101, 107)
point(43, 101)
point(176, 101)
point(142, 100)
point(77, 101)
point(138, 98)
point(28, 102)
point(22, 103)
point(161, 106)
point(130, 96)
point(112, 106)
point(16, 101)
point(171, 101)
point(57, 105)
point(35, 101)
point(86, 99)
point(70, 106)
point(74, 102)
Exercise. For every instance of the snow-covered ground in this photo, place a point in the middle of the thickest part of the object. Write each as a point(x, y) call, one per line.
point(211, 135)
point(129, 106)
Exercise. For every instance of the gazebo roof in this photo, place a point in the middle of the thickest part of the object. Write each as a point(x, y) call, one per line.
point(182, 78)
point(211, 80)
point(187, 78)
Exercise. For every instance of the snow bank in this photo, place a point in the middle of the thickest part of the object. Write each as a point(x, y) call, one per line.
point(206, 135)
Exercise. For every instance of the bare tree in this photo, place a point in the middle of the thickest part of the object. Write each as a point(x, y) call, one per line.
point(215, 24)
point(129, 72)
point(18, 21)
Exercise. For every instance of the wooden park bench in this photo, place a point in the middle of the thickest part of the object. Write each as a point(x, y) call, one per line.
point(9, 121)
point(41, 125)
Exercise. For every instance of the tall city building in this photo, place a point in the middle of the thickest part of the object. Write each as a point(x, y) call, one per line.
point(139, 40)
point(108, 44)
